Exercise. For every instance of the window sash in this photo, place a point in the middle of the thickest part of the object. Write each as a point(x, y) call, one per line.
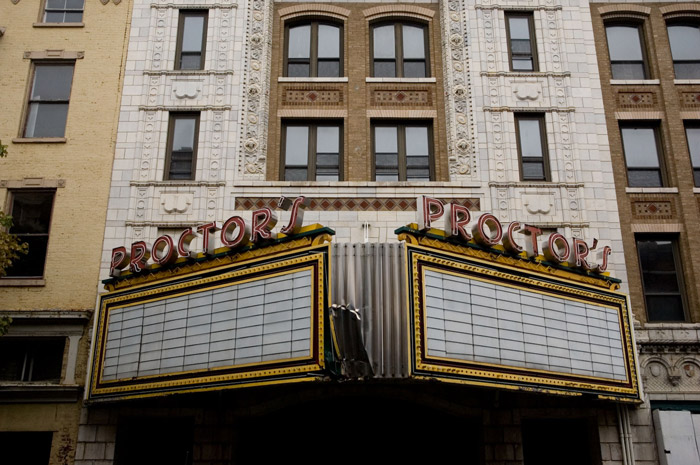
point(522, 51)
point(626, 50)
point(661, 304)
point(322, 163)
point(46, 115)
point(186, 58)
point(644, 169)
point(63, 11)
point(181, 164)
point(402, 63)
point(32, 211)
point(692, 136)
point(684, 40)
point(400, 160)
point(316, 62)
point(528, 158)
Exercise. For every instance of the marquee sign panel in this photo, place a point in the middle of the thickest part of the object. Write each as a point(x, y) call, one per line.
point(253, 322)
point(489, 322)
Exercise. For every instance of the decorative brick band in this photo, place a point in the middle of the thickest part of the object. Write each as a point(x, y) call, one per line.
point(690, 99)
point(657, 228)
point(636, 99)
point(393, 97)
point(401, 114)
point(623, 11)
point(308, 95)
point(352, 203)
point(311, 9)
point(403, 10)
point(659, 209)
point(628, 115)
point(311, 113)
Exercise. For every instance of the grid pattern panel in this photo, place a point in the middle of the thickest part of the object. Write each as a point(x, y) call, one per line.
point(257, 321)
point(478, 321)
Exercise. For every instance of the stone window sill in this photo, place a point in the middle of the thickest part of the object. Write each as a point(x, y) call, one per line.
point(686, 81)
point(651, 190)
point(312, 79)
point(39, 140)
point(401, 80)
point(634, 82)
point(696, 190)
point(58, 24)
point(22, 282)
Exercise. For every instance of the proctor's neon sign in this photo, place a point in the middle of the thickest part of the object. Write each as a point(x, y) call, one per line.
point(233, 233)
point(487, 231)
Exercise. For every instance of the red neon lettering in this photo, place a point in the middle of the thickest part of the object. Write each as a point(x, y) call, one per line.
point(531, 248)
point(263, 222)
point(235, 223)
point(183, 244)
point(487, 231)
point(296, 219)
point(509, 240)
point(603, 267)
point(158, 251)
point(208, 231)
point(139, 256)
point(120, 258)
point(579, 253)
point(429, 209)
point(557, 248)
point(454, 225)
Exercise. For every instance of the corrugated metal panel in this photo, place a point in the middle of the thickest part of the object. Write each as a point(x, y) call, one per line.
point(372, 278)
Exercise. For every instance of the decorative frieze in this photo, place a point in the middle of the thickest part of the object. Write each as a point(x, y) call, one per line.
point(636, 99)
point(313, 96)
point(352, 203)
point(660, 209)
point(414, 97)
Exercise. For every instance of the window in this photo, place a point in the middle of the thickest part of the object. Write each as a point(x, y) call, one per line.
point(191, 39)
point(313, 50)
point(659, 265)
point(402, 152)
point(532, 147)
point(63, 11)
point(31, 218)
point(183, 133)
point(27, 448)
point(685, 50)
point(31, 359)
point(521, 42)
point(626, 52)
point(400, 50)
point(692, 133)
point(641, 147)
point(312, 152)
point(47, 110)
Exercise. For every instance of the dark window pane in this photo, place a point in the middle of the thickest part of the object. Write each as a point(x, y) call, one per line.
point(26, 448)
point(413, 42)
point(387, 175)
point(328, 68)
point(520, 46)
point(299, 42)
point(644, 178)
point(181, 165)
point(295, 174)
point(52, 82)
point(31, 264)
point(191, 61)
point(31, 212)
point(665, 308)
point(46, 120)
point(384, 68)
point(323, 174)
point(36, 359)
point(327, 159)
point(414, 69)
point(387, 160)
point(54, 4)
point(53, 17)
point(75, 4)
point(689, 70)
point(696, 176)
point(413, 174)
point(628, 70)
point(298, 70)
point(73, 17)
point(418, 162)
point(533, 170)
point(384, 45)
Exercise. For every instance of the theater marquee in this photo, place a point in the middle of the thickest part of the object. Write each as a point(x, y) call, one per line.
point(483, 317)
point(233, 318)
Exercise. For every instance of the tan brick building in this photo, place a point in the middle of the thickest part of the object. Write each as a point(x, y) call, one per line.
point(61, 78)
point(649, 60)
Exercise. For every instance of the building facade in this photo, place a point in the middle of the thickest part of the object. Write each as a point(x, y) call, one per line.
point(649, 89)
point(61, 84)
point(360, 108)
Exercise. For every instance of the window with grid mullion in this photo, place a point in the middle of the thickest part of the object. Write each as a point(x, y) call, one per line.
point(63, 11)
